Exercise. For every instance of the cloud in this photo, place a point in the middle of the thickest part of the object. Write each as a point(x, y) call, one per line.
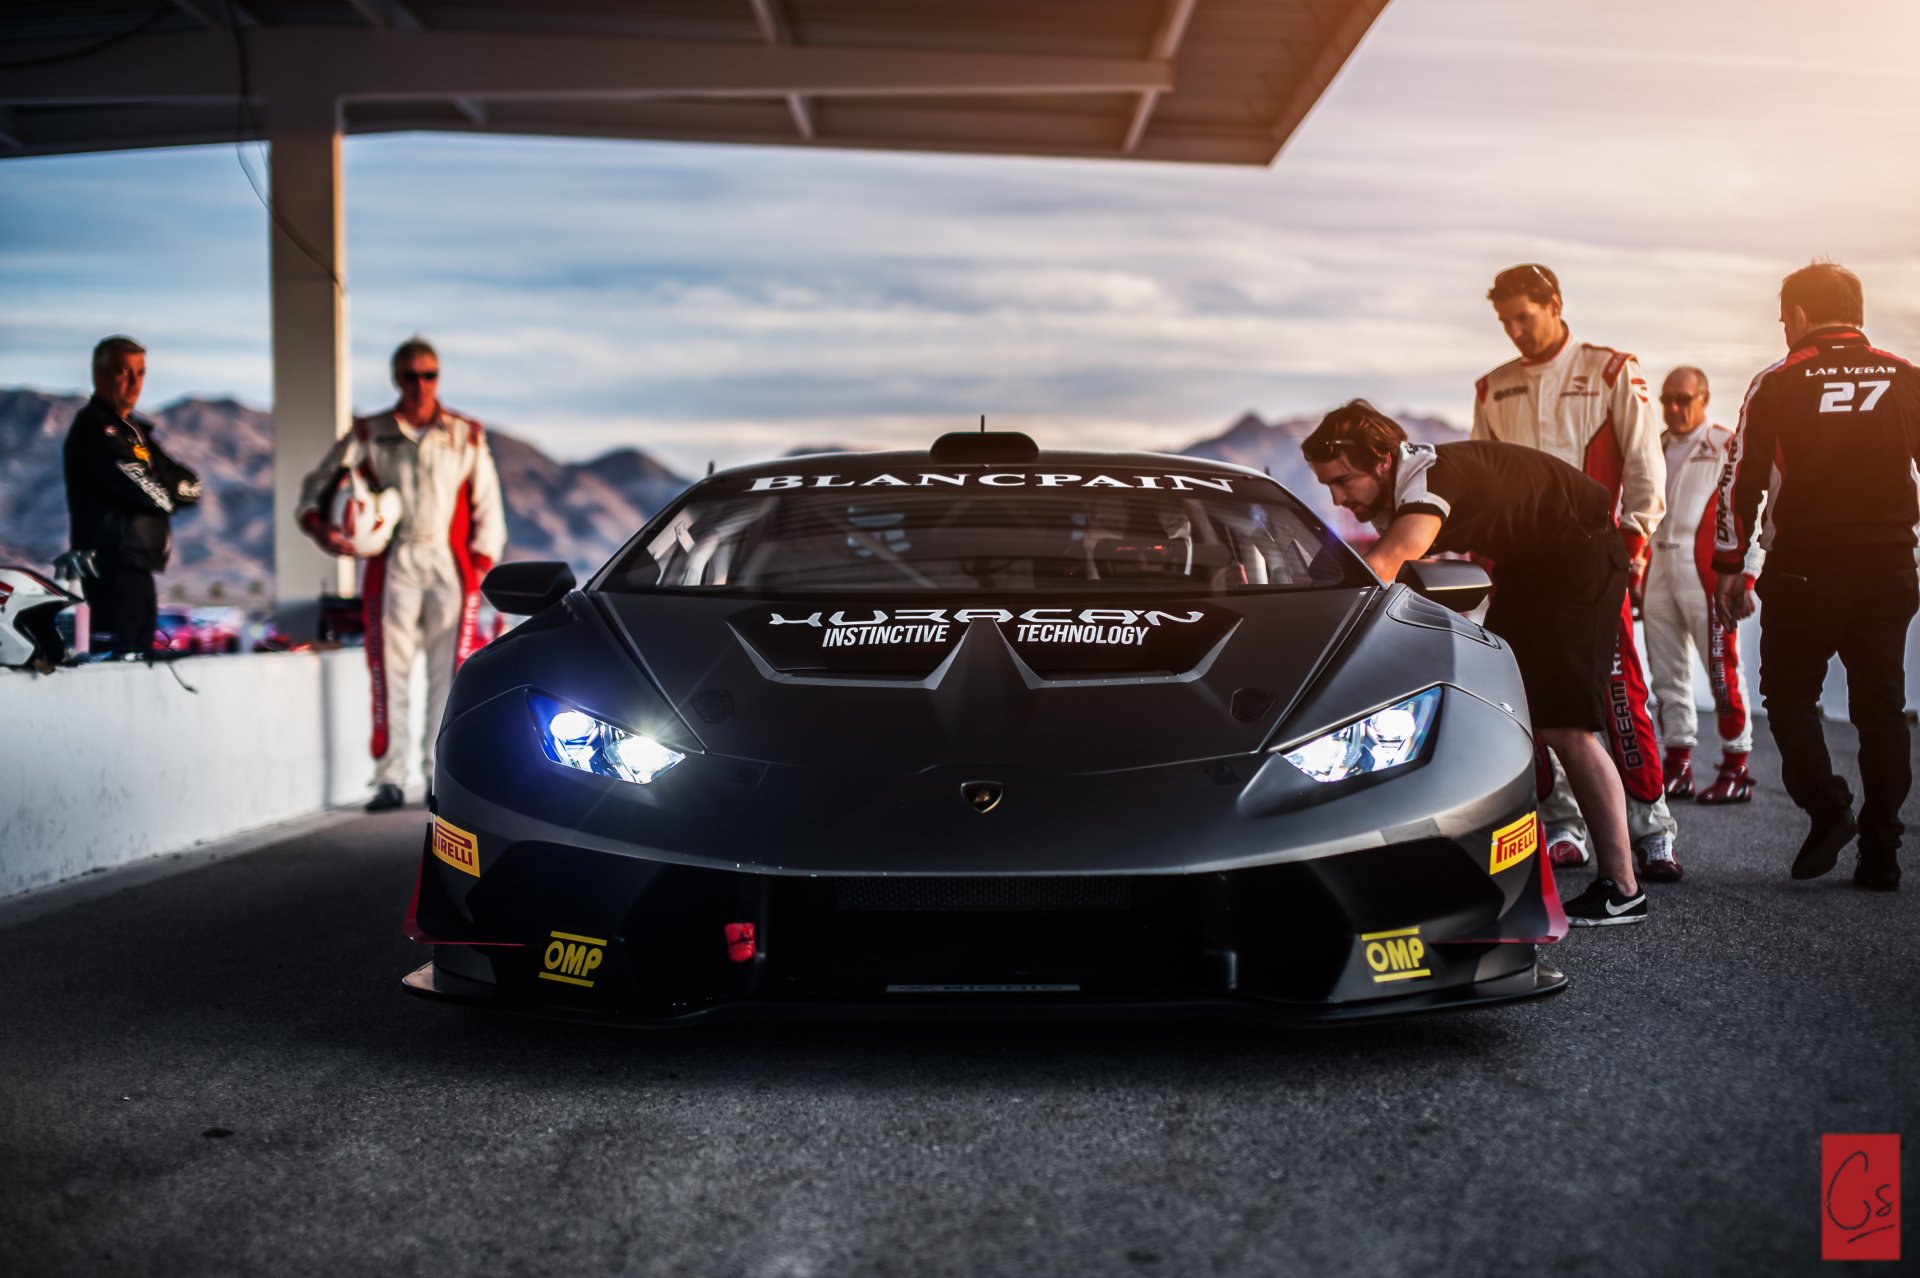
point(733, 302)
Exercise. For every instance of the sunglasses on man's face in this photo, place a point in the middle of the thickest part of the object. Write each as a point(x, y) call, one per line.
point(1676, 401)
point(420, 375)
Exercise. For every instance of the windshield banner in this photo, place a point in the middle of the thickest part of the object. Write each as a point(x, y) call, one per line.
point(1062, 639)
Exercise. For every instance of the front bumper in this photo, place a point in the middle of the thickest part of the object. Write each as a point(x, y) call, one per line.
point(1413, 927)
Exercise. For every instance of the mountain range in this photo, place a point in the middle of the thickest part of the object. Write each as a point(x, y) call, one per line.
point(578, 512)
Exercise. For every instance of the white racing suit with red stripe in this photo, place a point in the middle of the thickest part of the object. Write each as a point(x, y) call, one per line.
point(1588, 406)
point(1679, 613)
point(422, 595)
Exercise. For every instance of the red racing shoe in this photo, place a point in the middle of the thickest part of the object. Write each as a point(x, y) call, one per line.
point(1567, 847)
point(1677, 768)
point(1733, 785)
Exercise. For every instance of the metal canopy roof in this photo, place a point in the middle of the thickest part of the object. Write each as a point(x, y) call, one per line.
point(1216, 81)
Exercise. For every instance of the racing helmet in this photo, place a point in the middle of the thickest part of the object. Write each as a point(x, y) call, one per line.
point(362, 516)
point(28, 605)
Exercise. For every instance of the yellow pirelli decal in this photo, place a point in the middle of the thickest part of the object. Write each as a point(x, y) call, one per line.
point(1514, 843)
point(1398, 955)
point(456, 847)
point(571, 958)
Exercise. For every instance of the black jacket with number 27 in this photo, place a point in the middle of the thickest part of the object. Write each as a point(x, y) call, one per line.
point(1833, 432)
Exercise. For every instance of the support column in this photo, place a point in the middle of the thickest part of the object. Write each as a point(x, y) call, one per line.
point(311, 383)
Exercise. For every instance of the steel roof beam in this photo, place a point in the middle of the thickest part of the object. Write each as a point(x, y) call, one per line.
point(217, 13)
point(773, 26)
point(443, 65)
point(1165, 47)
point(393, 15)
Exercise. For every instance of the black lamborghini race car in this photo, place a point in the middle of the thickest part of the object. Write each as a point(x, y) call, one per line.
point(986, 730)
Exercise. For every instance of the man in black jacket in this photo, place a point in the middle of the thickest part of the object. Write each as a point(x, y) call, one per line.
point(1834, 431)
point(122, 491)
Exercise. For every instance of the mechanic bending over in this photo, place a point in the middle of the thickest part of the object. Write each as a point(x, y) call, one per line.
point(1588, 406)
point(1560, 576)
point(1833, 431)
point(1678, 607)
point(422, 592)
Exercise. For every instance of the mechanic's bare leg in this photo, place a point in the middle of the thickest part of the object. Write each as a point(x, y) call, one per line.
point(1603, 800)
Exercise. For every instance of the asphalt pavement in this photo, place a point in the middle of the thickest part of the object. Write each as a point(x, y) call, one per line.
point(216, 1072)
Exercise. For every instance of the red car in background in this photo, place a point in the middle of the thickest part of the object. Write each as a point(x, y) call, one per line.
point(174, 631)
point(220, 629)
point(198, 630)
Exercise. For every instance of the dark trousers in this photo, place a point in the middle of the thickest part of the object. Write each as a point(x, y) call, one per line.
point(1862, 617)
point(122, 606)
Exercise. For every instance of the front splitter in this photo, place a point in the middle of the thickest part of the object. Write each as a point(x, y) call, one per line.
point(1539, 981)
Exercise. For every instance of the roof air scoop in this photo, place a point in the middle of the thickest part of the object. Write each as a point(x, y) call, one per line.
point(987, 446)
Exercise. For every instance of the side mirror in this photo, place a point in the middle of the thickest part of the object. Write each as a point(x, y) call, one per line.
point(1454, 583)
point(522, 589)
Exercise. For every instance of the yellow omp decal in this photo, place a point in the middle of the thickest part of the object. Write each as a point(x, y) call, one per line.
point(1514, 843)
point(570, 958)
point(456, 847)
point(1395, 956)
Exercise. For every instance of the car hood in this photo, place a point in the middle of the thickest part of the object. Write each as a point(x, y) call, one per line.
point(897, 686)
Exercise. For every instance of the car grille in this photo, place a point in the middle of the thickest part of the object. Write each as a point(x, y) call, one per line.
point(983, 895)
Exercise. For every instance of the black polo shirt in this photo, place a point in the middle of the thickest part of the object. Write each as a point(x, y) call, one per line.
point(1512, 504)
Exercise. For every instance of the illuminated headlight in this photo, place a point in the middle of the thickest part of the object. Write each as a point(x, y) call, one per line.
point(578, 740)
point(1384, 739)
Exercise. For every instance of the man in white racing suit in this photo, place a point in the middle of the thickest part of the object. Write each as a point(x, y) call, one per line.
point(1588, 406)
point(422, 593)
point(1679, 613)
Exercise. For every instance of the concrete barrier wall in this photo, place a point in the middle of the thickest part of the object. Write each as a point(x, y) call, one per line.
point(108, 764)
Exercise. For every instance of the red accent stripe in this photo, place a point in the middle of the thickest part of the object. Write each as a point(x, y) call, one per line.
point(1722, 658)
point(460, 535)
point(1604, 462)
point(1636, 747)
point(1728, 704)
point(1557, 926)
point(373, 589)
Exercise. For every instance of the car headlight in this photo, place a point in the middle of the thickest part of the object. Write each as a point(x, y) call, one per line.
point(578, 740)
point(1384, 739)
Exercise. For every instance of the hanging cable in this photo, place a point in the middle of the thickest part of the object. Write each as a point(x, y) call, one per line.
point(246, 125)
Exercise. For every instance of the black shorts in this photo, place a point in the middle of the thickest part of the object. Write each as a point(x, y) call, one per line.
point(1561, 617)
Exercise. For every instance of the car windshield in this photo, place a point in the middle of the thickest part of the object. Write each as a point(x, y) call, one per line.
point(1119, 529)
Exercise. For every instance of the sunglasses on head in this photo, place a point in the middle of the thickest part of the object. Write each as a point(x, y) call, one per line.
point(420, 375)
point(1333, 450)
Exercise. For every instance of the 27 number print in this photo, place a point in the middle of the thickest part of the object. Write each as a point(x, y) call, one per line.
point(1839, 396)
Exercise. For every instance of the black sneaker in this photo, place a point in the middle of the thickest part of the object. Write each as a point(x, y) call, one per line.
point(1603, 905)
point(1822, 846)
point(1877, 871)
point(387, 798)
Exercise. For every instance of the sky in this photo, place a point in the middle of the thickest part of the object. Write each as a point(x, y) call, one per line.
point(1670, 161)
